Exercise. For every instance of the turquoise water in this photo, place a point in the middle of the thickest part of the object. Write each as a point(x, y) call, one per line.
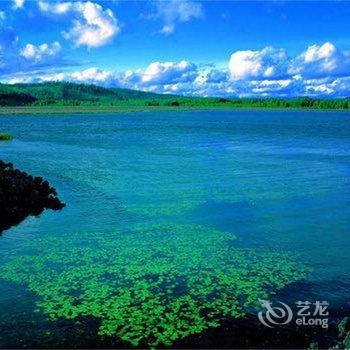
point(277, 181)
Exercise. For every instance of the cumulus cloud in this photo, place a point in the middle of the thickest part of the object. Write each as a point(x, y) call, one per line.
point(17, 4)
point(267, 63)
point(94, 76)
point(57, 8)
point(28, 59)
point(320, 61)
point(320, 70)
point(172, 12)
point(201, 84)
point(41, 52)
point(96, 29)
point(168, 72)
point(268, 72)
point(318, 53)
point(93, 26)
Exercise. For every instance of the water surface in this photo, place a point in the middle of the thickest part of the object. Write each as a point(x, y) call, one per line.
point(277, 181)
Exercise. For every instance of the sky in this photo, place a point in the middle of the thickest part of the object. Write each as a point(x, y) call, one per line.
point(192, 48)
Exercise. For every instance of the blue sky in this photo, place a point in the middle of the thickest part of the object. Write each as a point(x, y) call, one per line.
point(208, 48)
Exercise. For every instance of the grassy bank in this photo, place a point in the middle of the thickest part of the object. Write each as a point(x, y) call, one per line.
point(73, 109)
point(52, 110)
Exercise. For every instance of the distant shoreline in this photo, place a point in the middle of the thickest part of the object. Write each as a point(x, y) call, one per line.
point(26, 110)
point(71, 98)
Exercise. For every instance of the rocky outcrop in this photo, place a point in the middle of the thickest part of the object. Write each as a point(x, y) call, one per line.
point(22, 195)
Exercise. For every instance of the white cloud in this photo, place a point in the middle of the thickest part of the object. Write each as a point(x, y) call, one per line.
point(316, 53)
point(17, 4)
point(196, 86)
point(172, 12)
point(28, 59)
point(255, 73)
point(96, 29)
point(320, 61)
point(92, 75)
point(41, 52)
point(93, 26)
point(267, 63)
point(57, 8)
point(169, 72)
point(167, 29)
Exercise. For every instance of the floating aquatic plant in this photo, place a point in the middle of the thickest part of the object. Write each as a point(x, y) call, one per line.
point(4, 136)
point(153, 284)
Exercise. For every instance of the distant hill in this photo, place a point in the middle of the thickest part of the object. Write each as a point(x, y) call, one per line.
point(67, 93)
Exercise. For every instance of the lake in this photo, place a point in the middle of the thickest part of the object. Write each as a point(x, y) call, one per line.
point(176, 224)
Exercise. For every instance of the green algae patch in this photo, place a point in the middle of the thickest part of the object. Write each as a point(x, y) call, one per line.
point(151, 285)
point(4, 136)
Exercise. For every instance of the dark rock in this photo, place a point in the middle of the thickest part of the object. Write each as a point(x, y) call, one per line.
point(22, 195)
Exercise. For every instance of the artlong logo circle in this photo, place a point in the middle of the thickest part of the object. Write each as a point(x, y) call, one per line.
point(275, 315)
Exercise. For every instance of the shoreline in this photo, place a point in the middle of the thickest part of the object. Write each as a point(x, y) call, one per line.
point(5, 111)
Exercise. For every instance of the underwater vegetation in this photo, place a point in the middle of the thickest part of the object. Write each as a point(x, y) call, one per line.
point(152, 284)
point(4, 136)
point(22, 195)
